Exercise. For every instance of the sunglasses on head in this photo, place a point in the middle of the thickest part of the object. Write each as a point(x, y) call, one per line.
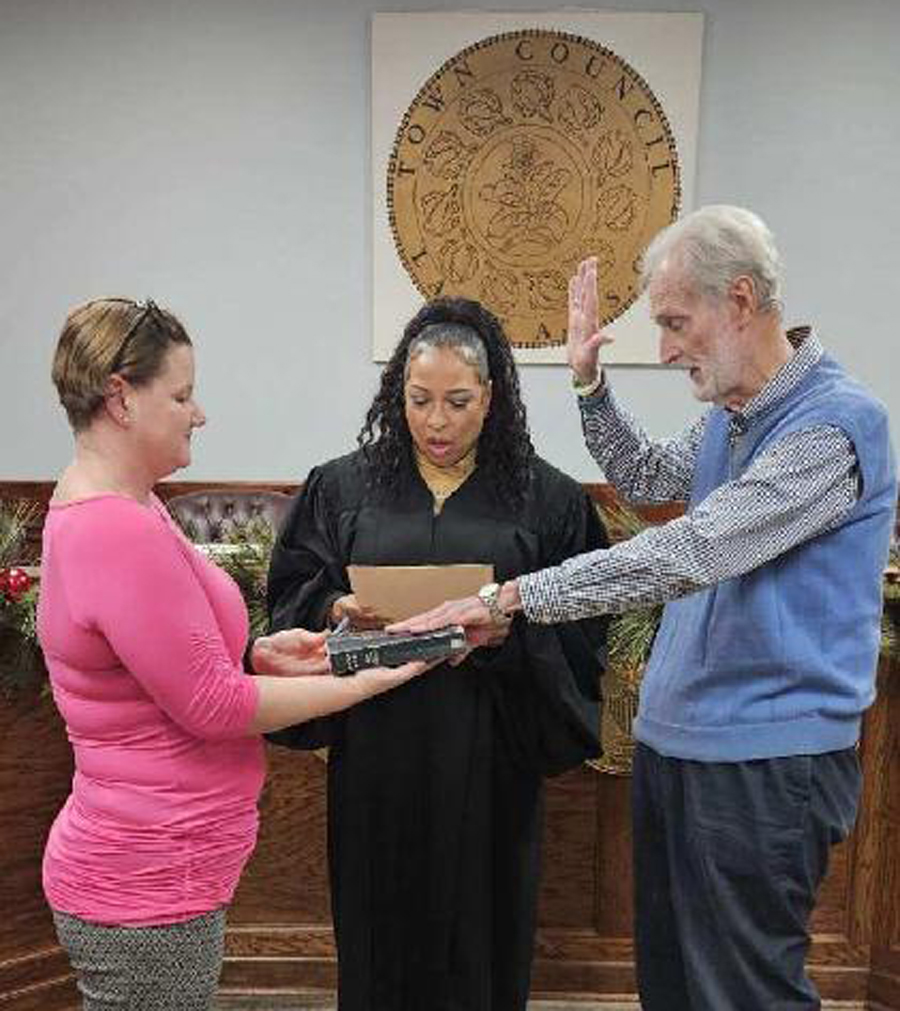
point(148, 310)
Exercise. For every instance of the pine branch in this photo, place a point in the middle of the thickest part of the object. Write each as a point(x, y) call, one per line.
point(16, 516)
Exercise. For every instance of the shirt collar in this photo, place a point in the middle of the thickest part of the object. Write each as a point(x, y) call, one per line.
point(807, 351)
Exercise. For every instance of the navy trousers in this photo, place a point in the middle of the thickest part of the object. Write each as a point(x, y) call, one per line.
point(727, 861)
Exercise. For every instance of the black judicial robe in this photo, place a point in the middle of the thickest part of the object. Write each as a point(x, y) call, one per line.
point(435, 788)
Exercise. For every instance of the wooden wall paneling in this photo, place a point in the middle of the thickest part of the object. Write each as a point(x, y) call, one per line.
point(280, 938)
point(583, 944)
point(864, 883)
point(884, 728)
point(286, 880)
point(838, 964)
point(884, 980)
point(35, 772)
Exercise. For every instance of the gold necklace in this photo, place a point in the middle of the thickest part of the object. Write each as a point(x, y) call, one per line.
point(442, 482)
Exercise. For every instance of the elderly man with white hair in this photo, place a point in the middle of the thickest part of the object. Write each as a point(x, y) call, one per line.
point(745, 769)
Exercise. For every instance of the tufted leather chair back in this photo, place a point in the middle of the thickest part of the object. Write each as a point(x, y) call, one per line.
point(208, 517)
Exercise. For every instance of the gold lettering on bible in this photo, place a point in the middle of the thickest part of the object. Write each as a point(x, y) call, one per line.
point(523, 154)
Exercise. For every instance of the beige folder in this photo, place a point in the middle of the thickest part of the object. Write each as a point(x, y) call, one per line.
point(401, 591)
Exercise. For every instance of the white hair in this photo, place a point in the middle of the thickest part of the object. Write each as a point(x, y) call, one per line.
point(714, 246)
point(465, 340)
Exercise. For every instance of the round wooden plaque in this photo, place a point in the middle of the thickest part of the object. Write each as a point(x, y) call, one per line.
point(523, 154)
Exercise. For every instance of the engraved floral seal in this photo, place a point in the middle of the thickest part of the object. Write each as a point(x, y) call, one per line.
point(521, 155)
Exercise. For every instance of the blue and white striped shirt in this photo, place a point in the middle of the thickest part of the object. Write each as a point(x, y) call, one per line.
point(799, 487)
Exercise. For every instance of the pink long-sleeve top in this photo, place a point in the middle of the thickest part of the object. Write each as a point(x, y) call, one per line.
point(144, 640)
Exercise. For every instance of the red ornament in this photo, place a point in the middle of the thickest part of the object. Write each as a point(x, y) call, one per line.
point(16, 584)
point(4, 579)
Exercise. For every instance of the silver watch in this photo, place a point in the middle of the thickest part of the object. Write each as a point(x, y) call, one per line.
point(489, 595)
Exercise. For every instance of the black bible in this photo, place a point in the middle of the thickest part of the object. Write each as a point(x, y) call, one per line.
point(353, 651)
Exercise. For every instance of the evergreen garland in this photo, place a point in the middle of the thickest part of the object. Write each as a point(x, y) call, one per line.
point(20, 655)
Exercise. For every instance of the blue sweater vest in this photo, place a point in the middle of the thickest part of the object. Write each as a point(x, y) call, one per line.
point(780, 661)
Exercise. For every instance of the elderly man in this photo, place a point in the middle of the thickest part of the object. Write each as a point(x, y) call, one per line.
point(745, 768)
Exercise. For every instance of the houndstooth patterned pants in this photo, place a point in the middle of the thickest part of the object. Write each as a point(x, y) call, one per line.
point(170, 968)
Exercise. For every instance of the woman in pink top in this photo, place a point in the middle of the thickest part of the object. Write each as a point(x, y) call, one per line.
point(144, 639)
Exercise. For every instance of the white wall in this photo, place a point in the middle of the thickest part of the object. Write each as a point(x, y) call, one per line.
point(214, 154)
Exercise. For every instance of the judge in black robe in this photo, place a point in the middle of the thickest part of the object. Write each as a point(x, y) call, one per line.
point(435, 788)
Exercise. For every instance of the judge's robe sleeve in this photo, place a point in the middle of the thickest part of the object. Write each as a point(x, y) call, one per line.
point(306, 576)
point(546, 678)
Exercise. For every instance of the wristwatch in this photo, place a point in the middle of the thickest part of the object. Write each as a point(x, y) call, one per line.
point(489, 595)
point(587, 389)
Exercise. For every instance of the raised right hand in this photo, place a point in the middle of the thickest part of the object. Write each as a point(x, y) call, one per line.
point(585, 338)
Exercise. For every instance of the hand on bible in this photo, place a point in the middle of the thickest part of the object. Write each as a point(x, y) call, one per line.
point(585, 338)
point(470, 612)
point(291, 653)
point(297, 652)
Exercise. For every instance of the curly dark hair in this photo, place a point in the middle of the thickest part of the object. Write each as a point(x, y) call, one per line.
point(505, 450)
